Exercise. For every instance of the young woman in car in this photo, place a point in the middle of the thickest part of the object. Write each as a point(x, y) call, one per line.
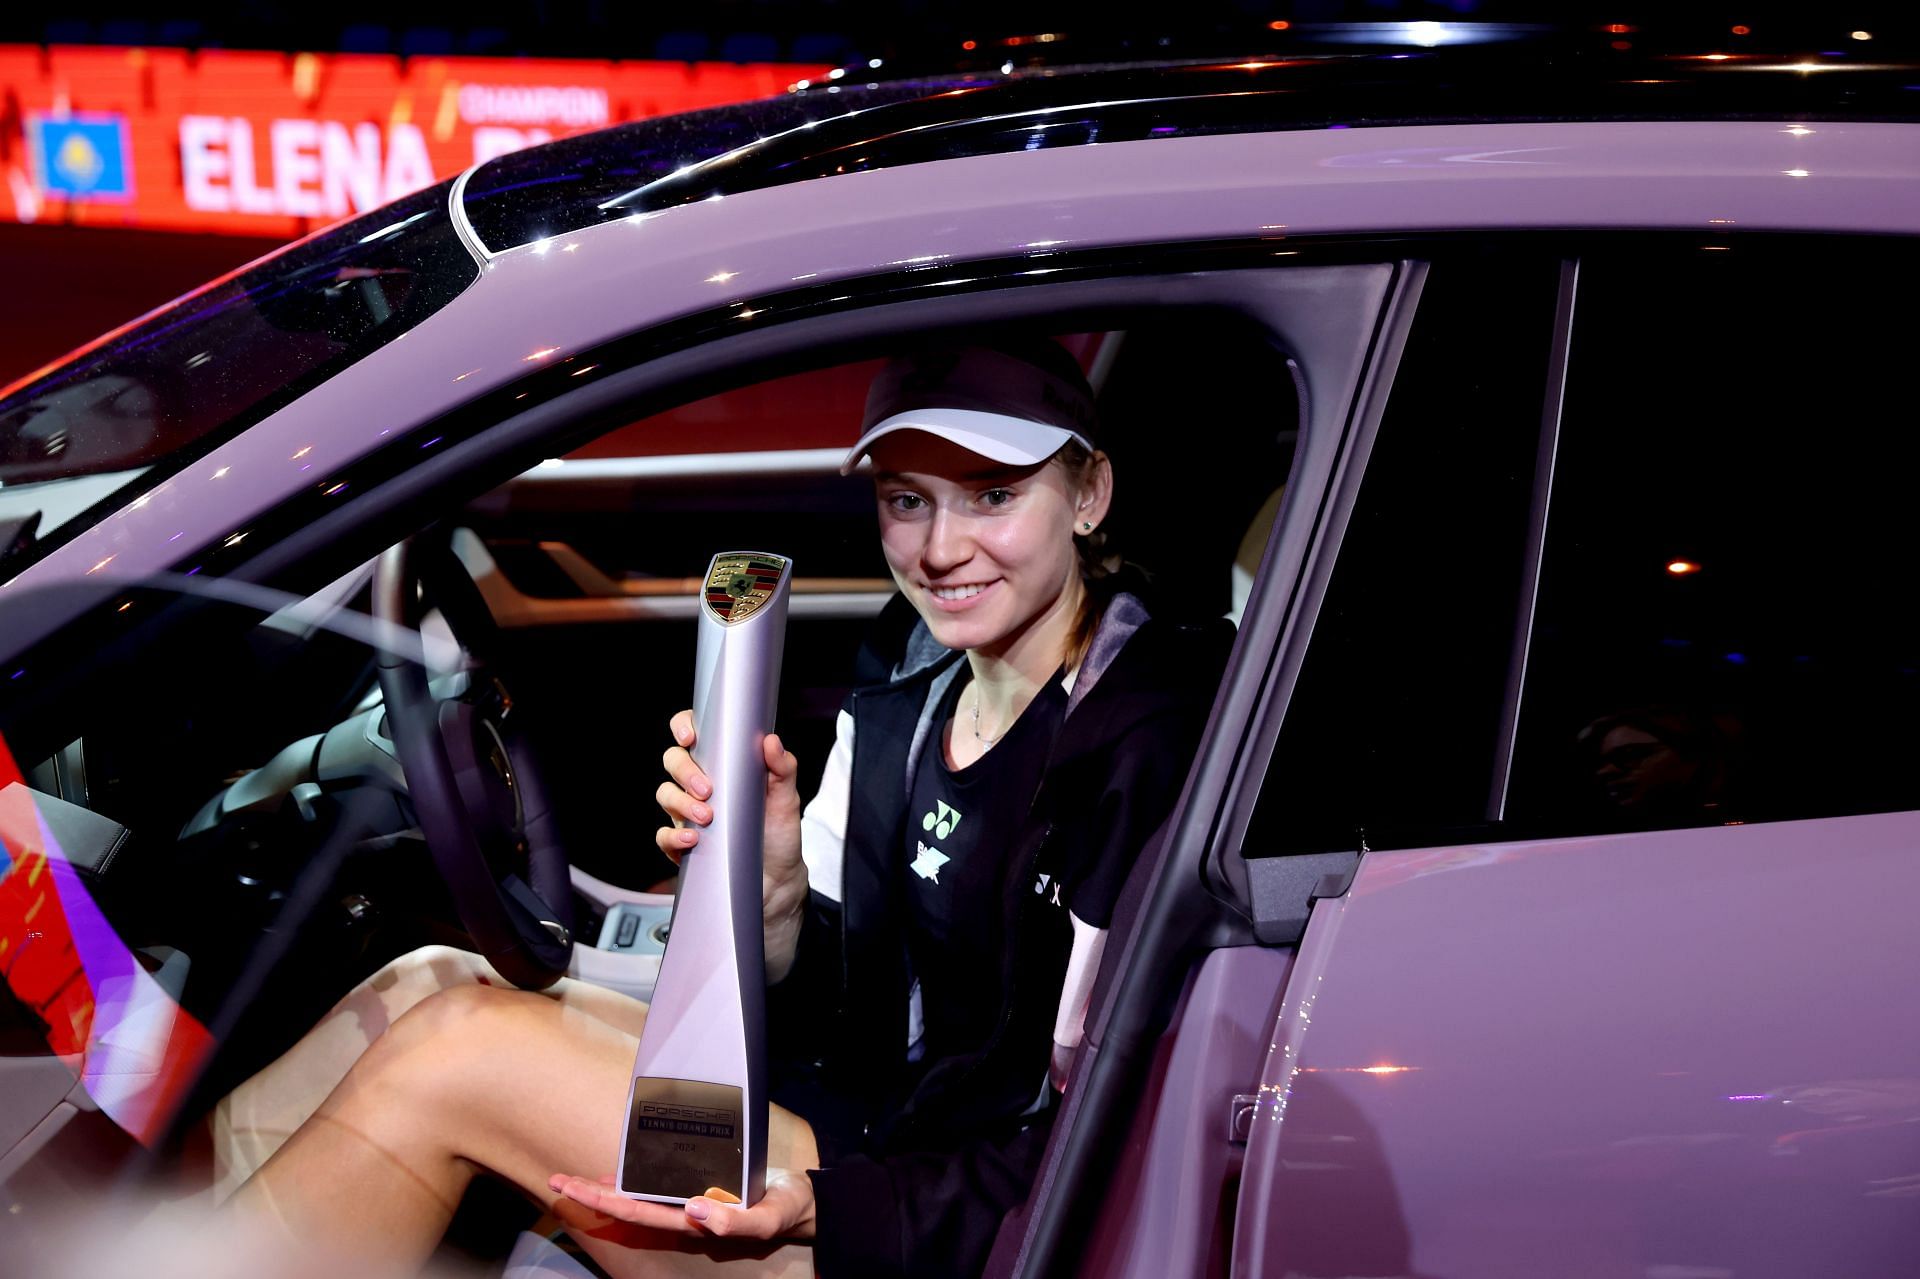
point(934, 917)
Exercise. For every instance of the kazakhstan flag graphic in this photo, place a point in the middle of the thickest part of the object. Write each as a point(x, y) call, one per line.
point(81, 157)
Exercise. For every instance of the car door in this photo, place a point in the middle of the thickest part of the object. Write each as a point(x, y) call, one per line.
point(1146, 1163)
point(1621, 984)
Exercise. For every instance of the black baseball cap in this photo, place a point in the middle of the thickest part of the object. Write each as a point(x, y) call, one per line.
point(1015, 404)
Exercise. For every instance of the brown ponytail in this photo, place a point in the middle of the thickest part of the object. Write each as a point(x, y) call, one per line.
point(1096, 560)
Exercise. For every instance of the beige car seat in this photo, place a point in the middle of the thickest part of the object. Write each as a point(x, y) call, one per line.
point(1253, 545)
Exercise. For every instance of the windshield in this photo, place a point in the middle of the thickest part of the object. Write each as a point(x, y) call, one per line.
point(187, 798)
point(580, 181)
point(174, 384)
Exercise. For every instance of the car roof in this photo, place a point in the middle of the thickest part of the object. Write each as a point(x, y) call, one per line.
point(540, 310)
point(844, 127)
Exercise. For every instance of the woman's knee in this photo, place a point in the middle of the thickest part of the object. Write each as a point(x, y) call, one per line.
point(430, 1053)
point(380, 1000)
point(402, 982)
point(459, 1018)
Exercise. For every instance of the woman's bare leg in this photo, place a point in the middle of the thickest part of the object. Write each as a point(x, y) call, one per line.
point(474, 1078)
point(250, 1123)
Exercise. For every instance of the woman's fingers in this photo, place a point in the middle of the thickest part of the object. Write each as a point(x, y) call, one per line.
point(682, 798)
point(675, 840)
point(782, 767)
point(786, 1210)
point(681, 768)
point(609, 1202)
point(730, 1221)
point(781, 846)
point(685, 797)
point(680, 806)
point(682, 726)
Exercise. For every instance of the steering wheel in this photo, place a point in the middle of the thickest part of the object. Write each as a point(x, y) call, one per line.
point(472, 774)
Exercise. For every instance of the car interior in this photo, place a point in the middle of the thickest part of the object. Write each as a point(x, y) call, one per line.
point(227, 789)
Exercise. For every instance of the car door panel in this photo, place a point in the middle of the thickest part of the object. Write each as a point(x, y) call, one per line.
point(1679, 1053)
point(1188, 1120)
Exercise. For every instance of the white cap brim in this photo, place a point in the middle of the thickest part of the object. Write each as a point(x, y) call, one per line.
point(998, 437)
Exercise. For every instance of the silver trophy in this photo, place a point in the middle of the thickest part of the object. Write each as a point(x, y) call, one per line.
point(697, 1110)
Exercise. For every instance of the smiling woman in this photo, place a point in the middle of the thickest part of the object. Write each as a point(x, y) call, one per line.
point(988, 480)
point(930, 947)
point(970, 545)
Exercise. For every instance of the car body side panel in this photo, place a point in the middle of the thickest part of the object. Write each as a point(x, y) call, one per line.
point(543, 302)
point(1686, 1053)
point(1169, 1208)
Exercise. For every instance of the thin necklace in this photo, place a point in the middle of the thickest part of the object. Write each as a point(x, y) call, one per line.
point(978, 736)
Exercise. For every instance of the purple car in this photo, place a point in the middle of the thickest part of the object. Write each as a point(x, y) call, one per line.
point(1542, 900)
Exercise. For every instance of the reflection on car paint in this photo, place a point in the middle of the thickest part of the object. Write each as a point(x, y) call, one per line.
point(137, 1051)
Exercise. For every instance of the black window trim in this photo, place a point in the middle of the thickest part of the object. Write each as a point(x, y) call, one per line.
point(1551, 412)
point(1295, 569)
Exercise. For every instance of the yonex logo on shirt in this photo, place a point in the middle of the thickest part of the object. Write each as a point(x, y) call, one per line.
point(941, 820)
point(928, 861)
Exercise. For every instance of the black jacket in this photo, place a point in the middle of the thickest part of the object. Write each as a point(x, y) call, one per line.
point(921, 1161)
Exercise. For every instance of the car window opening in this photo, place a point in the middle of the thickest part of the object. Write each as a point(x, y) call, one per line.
point(214, 789)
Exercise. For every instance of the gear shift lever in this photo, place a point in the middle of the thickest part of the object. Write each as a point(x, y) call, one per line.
point(697, 1111)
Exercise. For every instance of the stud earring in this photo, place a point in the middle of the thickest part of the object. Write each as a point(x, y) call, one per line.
point(1085, 527)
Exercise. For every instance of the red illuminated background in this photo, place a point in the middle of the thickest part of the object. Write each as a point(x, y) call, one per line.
point(226, 153)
